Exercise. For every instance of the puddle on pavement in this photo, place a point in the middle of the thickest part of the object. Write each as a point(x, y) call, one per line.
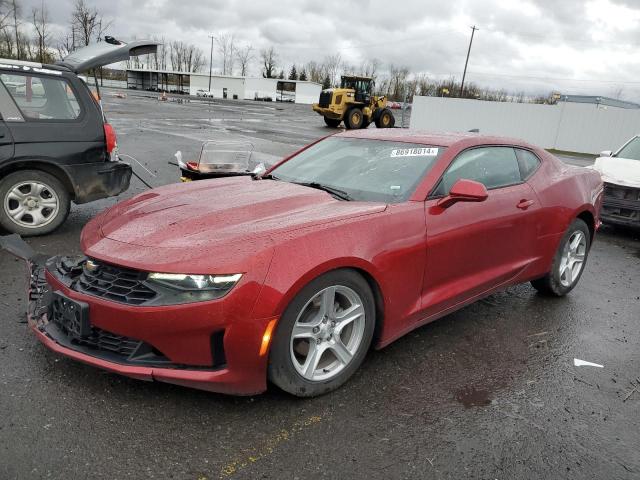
point(473, 397)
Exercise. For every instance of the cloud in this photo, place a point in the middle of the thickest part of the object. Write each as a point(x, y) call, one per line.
point(573, 46)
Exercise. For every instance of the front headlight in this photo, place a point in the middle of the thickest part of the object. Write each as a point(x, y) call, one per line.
point(202, 287)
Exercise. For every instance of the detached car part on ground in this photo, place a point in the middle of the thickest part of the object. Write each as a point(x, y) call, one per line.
point(221, 158)
point(55, 144)
point(621, 175)
point(291, 276)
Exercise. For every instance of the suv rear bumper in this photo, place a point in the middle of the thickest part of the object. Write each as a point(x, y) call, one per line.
point(93, 181)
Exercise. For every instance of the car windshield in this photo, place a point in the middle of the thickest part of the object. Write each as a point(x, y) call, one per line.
point(364, 170)
point(630, 150)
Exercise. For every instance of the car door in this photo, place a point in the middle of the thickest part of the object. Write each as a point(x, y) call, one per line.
point(473, 247)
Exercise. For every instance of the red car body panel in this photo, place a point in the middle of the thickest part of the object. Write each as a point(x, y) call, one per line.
point(422, 261)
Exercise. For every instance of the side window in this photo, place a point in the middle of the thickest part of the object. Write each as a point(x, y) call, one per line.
point(494, 167)
point(528, 162)
point(42, 98)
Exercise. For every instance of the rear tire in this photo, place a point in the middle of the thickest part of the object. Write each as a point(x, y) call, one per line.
point(332, 122)
point(354, 119)
point(32, 203)
point(385, 119)
point(571, 256)
point(327, 348)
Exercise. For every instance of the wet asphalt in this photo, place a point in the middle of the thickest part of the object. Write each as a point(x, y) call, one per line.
point(489, 392)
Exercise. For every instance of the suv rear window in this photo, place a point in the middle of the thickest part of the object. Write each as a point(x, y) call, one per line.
point(42, 98)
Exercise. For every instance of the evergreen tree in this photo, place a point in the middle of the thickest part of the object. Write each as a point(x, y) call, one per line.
point(326, 83)
point(281, 76)
point(303, 75)
point(293, 74)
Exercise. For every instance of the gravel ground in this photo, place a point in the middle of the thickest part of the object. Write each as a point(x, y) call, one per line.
point(488, 392)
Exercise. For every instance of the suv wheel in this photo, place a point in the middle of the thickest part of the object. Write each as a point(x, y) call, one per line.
point(33, 202)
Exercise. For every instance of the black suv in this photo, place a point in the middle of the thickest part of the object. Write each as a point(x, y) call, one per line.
point(55, 143)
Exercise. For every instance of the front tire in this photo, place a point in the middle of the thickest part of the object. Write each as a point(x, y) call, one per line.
point(332, 122)
point(568, 262)
point(354, 119)
point(32, 203)
point(385, 119)
point(323, 335)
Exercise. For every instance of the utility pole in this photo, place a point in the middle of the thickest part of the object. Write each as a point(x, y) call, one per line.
point(464, 74)
point(210, 63)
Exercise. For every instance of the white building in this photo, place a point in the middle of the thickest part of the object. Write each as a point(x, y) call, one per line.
point(225, 86)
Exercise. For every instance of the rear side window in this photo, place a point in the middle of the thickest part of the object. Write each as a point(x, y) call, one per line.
point(528, 162)
point(494, 167)
point(42, 98)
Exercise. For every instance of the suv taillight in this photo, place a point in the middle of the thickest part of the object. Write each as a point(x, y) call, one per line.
point(110, 136)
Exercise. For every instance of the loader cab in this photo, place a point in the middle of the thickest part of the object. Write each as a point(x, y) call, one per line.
point(363, 87)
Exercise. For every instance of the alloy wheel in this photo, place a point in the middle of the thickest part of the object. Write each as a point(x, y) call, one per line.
point(327, 333)
point(572, 261)
point(31, 204)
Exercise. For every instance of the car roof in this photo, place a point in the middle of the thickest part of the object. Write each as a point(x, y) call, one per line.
point(10, 62)
point(442, 139)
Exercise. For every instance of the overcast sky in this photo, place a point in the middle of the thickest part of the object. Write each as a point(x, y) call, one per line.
point(570, 46)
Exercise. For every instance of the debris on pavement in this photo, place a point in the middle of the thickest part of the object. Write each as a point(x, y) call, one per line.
point(583, 363)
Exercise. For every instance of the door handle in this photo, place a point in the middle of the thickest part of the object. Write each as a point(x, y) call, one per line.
point(524, 204)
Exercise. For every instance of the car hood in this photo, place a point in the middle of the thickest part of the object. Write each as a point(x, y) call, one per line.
point(620, 171)
point(215, 212)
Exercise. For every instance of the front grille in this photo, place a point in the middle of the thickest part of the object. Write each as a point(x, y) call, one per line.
point(100, 339)
point(621, 193)
point(325, 99)
point(114, 283)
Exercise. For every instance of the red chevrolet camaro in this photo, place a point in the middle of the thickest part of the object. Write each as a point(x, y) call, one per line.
point(292, 276)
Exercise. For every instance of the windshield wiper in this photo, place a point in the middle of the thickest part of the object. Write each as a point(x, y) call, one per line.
point(336, 192)
point(269, 176)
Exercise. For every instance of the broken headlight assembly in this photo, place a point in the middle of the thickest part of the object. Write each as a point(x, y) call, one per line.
point(198, 287)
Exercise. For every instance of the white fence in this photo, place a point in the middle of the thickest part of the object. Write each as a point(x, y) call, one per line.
point(573, 127)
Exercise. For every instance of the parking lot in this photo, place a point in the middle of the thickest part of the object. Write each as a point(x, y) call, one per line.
point(490, 391)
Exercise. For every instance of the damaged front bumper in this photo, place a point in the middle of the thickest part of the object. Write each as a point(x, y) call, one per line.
point(60, 319)
point(621, 205)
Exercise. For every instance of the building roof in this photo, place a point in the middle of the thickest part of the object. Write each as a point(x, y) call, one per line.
point(598, 100)
point(199, 74)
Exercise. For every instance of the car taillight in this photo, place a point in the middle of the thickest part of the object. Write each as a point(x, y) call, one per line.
point(110, 136)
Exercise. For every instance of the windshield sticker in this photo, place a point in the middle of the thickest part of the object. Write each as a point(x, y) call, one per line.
point(414, 152)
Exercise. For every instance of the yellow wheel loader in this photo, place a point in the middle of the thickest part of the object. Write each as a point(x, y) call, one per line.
point(354, 104)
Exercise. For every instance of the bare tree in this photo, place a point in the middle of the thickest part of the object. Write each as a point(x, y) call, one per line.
point(16, 12)
point(332, 65)
point(65, 45)
point(87, 24)
point(369, 68)
point(244, 55)
point(226, 48)
point(315, 72)
point(185, 57)
point(269, 58)
point(40, 21)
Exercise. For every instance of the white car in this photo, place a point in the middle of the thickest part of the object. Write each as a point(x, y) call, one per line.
point(204, 93)
point(620, 173)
